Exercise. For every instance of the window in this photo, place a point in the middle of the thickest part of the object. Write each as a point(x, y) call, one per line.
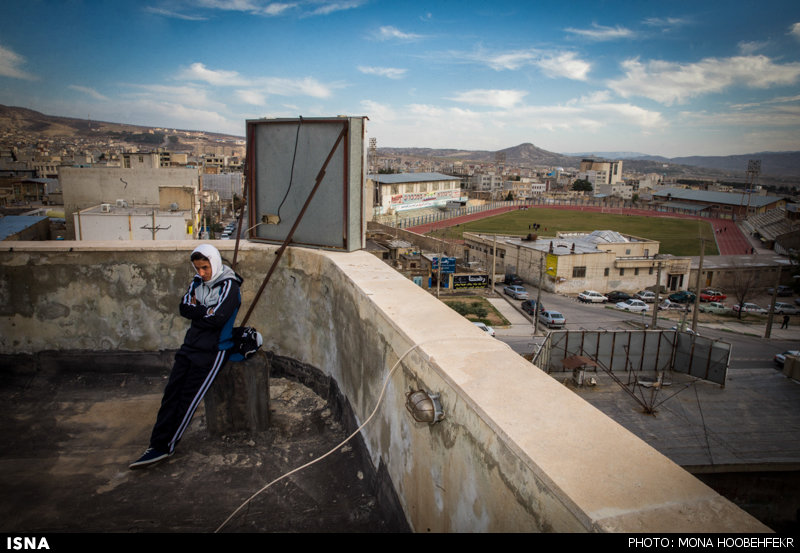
point(605, 271)
point(636, 271)
point(650, 271)
point(621, 272)
point(579, 272)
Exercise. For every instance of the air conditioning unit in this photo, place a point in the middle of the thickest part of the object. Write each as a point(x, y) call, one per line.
point(122, 203)
point(105, 208)
point(173, 206)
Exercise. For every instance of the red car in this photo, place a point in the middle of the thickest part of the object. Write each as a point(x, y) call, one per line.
point(712, 295)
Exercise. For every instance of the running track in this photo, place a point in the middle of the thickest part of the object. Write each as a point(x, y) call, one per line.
point(730, 239)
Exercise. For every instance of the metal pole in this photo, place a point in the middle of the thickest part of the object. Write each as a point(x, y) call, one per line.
point(697, 285)
point(538, 299)
point(657, 291)
point(771, 306)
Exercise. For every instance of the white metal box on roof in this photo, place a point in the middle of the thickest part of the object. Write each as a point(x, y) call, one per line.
point(305, 181)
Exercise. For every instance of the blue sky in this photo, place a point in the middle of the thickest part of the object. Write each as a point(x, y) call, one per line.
point(671, 78)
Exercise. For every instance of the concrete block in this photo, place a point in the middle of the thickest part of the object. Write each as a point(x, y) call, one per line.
point(238, 401)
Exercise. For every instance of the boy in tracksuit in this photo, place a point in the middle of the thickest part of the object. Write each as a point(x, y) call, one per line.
point(211, 304)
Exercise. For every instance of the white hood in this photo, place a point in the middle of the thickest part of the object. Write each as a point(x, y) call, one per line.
point(214, 258)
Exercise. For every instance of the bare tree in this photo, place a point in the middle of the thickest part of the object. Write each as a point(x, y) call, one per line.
point(745, 282)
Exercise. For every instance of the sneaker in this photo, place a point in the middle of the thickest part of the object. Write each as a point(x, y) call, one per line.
point(149, 457)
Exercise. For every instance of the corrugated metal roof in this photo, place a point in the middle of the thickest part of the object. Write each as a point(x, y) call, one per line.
point(402, 178)
point(727, 198)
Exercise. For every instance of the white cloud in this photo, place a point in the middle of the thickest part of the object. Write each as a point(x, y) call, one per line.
point(199, 72)
point(553, 64)
point(157, 10)
point(509, 60)
point(254, 7)
point(390, 72)
point(670, 82)
point(494, 98)
point(794, 30)
point(252, 97)
point(90, 91)
point(601, 32)
point(306, 86)
point(392, 33)
point(10, 65)
point(331, 7)
point(190, 97)
point(749, 47)
point(564, 65)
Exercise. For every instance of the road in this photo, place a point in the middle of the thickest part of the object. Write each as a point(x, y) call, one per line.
point(750, 349)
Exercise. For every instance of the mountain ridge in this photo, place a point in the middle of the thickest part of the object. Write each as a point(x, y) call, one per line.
point(780, 165)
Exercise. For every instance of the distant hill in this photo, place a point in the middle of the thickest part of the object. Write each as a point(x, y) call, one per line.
point(18, 119)
point(773, 164)
point(525, 154)
point(782, 166)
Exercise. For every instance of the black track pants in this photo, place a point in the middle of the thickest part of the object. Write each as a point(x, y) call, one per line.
point(191, 377)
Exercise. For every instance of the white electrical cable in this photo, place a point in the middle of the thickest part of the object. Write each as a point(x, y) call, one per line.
point(380, 398)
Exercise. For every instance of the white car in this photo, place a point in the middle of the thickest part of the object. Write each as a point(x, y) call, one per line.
point(485, 328)
point(646, 296)
point(780, 358)
point(713, 307)
point(783, 308)
point(590, 296)
point(749, 308)
point(633, 305)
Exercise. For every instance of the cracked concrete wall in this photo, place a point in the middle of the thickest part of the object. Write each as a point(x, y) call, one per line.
point(516, 451)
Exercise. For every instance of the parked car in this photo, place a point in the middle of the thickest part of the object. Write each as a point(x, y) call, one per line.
point(712, 295)
point(617, 296)
point(783, 308)
point(748, 308)
point(552, 319)
point(485, 328)
point(516, 292)
point(671, 305)
point(783, 290)
point(685, 328)
point(714, 307)
point(646, 296)
point(512, 279)
point(590, 296)
point(682, 297)
point(632, 305)
point(529, 306)
point(780, 358)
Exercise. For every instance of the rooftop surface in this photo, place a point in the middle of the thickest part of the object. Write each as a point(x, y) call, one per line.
point(72, 430)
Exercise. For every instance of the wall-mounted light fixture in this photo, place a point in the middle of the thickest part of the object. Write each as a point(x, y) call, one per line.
point(424, 406)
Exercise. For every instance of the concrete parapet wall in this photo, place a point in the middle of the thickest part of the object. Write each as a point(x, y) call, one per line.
point(516, 451)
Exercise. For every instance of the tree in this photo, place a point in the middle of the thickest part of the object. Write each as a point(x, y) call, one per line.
point(745, 282)
point(582, 185)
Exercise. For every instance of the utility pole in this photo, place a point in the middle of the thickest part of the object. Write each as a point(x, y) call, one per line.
point(657, 292)
point(697, 284)
point(494, 261)
point(538, 298)
point(771, 306)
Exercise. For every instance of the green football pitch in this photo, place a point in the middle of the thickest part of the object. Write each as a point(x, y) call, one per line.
point(677, 236)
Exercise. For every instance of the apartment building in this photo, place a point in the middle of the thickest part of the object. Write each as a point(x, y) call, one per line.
point(144, 183)
point(603, 175)
point(571, 262)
